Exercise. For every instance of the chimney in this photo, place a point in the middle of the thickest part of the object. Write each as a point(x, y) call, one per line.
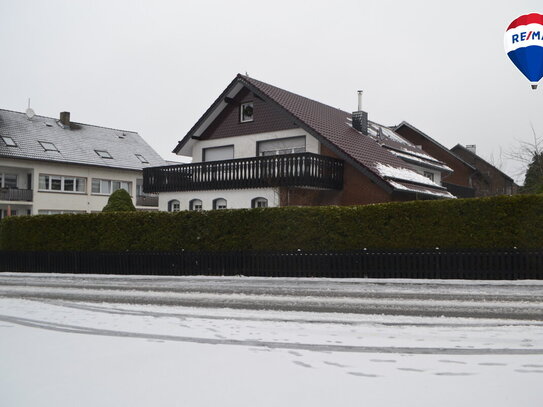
point(471, 147)
point(65, 119)
point(360, 118)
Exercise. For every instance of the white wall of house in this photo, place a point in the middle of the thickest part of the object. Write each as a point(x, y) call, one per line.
point(235, 198)
point(245, 146)
point(66, 201)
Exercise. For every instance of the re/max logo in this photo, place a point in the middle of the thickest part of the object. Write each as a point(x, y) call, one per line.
point(525, 36)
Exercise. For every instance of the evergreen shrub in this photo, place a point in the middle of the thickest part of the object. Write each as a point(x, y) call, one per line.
point(486, 223)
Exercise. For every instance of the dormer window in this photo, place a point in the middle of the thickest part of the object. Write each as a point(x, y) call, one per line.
point(103, 153)
point(9, 141)
point(142, 159)
point(48, 146)
point(246, 112)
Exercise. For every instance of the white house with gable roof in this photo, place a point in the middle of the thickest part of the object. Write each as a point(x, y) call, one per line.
point(53, 166)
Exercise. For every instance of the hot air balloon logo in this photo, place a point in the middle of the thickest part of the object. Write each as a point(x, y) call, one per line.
point(524, 46)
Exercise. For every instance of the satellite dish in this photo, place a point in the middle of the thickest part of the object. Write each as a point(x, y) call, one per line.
point(30, 113)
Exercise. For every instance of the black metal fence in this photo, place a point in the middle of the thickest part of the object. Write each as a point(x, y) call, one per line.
point(303, 169)
point(446, 264)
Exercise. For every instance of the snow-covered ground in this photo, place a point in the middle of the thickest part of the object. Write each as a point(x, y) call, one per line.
point(58, 348)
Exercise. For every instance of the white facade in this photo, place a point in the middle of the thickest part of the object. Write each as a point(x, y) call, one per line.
point(44, 201)
point(244, 147)
point(235, 198)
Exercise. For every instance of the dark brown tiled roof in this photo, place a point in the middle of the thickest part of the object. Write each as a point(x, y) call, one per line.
point(333, 128)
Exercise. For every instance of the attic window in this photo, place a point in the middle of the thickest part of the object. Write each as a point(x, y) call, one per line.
point(142, 159)
point(246, 112)
point(48, 146)
point(9, 141)
point(103, 153)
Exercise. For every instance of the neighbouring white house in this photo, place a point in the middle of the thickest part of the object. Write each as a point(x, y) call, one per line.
point(53, 166)
point(261, 146)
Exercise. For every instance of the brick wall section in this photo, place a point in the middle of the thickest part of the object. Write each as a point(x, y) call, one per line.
point(357, 190)
point(461, 174)
point(267, 118)
point(491, 181)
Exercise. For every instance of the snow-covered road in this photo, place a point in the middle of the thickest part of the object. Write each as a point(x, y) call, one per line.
point(201, 341)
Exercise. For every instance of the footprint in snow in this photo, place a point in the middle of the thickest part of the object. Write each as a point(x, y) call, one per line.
point(293, 352)
point(383, 360)
point(531, 365)
point(360, 374)
point(528, 371)
point(452, 361)
point(297, 362)
point(410, 369)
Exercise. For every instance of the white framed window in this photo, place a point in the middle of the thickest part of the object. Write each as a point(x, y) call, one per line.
point(8, 180)
point(47, 146)
point(108, 186)
point(290, 145)
point(61, 183)
point(429, 175)
point(259, 203)
point(246, 112)
point(103, 154)
point(174, 205)
point(9, 141)
point(195, 205)
point(219, 203)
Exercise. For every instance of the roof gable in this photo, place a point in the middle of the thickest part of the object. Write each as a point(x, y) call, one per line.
point(460, 147)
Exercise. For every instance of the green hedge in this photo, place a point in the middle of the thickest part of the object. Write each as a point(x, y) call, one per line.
point(499, 222)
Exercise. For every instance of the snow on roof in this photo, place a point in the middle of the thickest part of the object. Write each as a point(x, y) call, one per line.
point(425, 162)
point(404, 187)
point(404, 174)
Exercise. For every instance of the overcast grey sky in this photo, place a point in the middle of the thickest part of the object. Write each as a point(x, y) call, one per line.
point(156, 66)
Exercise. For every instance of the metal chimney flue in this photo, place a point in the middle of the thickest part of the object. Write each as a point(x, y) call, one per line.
point(360, 117)
point(65, 119)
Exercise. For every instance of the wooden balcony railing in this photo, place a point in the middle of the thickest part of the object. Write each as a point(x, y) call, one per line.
point(14, 194)
point(303, 170)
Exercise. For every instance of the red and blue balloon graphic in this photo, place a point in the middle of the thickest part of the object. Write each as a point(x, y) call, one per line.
point(524, 46)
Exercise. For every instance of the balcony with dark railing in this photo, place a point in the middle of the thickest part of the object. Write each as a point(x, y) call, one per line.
point(300, 170)
point(15, 194)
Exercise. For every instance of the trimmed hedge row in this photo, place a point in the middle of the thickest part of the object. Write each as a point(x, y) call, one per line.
point(487, 223)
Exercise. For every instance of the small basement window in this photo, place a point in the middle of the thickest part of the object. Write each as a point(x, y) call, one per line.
point(47, 146)
point(259, 203)
point(9, 141)
point(142, 159)
point(219, 203)
point(246, 112)
point(195, 205)
point(103, 153)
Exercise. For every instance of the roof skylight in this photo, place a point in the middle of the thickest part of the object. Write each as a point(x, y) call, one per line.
point(142, 159)
point(103, 153)
point(47, 146)
point(9, 141)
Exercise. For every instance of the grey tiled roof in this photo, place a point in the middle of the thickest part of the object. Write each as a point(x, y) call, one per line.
point(76, 144)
